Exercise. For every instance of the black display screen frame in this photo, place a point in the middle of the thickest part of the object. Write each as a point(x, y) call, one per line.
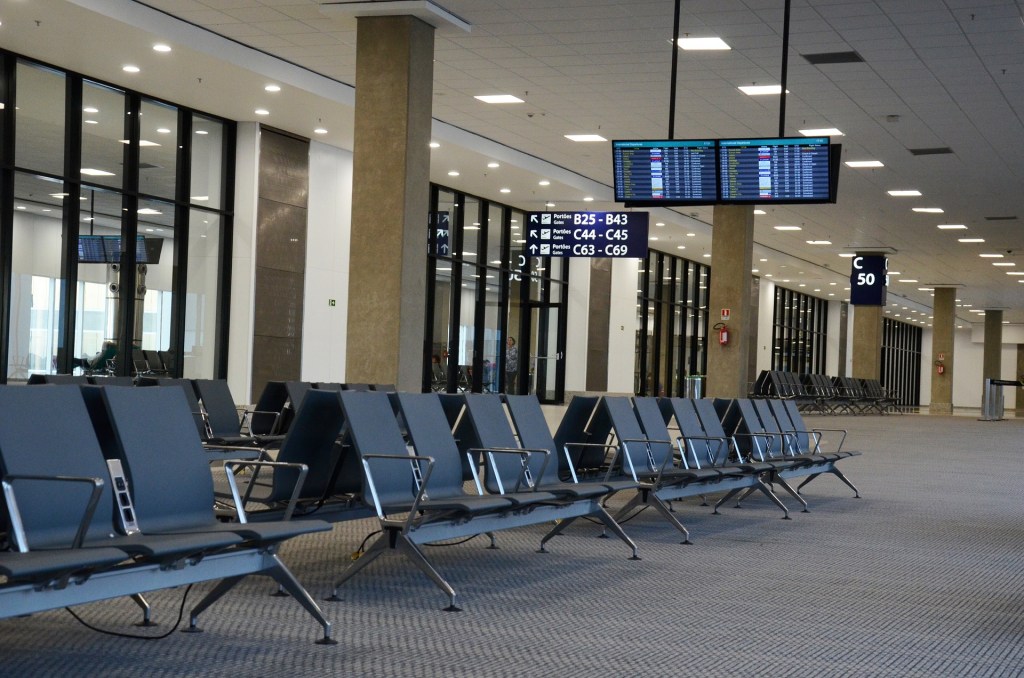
point(710, 144)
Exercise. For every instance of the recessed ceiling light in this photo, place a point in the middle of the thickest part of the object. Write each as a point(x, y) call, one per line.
point(161, 47)
point(788, 228)
point(925, 289)
point(149, 210)
point(320, 130)
point(588, 199)
point(847, 255)
point(927, 210)
point(819, 242)
point(707, 256)
point(991, 256)
point(261, 111)
point(1015, 273)
point(505, 190)
point(21, 207)
point(864, 163)
point(1003, 263)
point(971, 240)
point(91, 109)
point(453, 173)
point(585, 137)
point(91, 122)
point(952, 227)
point(691, 235)
point(129, 68)
point(90, 172)
point(760, 90)
point(762, 212)
point(904, 194)
point(162, 130)
point(908, 280)
point(543, 182)
point(694, 44)
point(434, 144)
point(680, 247)
point(494, 165)
point(499, 99)
point(201, 132)
point(653, 237)
point(822, 132)
point(272, 88)
point(549, 204)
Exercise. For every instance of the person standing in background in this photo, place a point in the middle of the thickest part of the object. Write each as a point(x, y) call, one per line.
point(511, 365)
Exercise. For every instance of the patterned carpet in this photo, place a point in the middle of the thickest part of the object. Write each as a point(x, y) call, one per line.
point(921, 577)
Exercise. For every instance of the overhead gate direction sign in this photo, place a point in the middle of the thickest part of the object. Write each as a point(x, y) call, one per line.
point(587, 234)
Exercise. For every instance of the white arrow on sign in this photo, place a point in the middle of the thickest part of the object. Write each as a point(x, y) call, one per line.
point(533, 218)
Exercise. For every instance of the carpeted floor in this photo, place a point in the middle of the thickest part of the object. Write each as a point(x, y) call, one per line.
point(923, 576)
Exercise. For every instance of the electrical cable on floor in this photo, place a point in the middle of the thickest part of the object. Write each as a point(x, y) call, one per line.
point(181, 614)
point(455, 543)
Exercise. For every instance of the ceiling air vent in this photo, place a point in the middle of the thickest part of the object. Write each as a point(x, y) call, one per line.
point(943, 150)
point(834, 58)
point(1013, 218)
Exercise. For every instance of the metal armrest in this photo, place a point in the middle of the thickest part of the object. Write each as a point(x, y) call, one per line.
point(420, 477)
point(686, 439)
point(525, 475)
point(833, 430)
point(248, 415)
point(572, 465)
point(240, 502)
point(18, 527)
point(650, 459)
point(760, 453)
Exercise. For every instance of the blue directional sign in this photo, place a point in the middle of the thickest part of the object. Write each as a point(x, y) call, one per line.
point(587, 234)
point(868, 280)
point(440, 226)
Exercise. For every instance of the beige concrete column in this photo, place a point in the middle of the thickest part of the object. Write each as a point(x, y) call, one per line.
point(867, 342)
point(991, 364)
point(732, 244)
point(1019, 374)
point(943, 327)
point(390, 201)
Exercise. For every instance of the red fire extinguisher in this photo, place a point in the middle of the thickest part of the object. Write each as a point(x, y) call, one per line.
point(723, 333)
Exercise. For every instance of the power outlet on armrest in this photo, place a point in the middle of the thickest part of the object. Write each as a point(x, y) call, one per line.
point(123, 497)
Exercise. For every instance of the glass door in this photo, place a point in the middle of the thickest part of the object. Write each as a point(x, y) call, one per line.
point(543, 353)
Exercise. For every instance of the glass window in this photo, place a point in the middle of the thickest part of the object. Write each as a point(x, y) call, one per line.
point(798, 332)
point(40, 119)
point(495, 224)
point(207, 171)
point(158, 149)
point(36, 280)
point(154, 280)
point(201, 294)
point(104, 145)
point(100, 274)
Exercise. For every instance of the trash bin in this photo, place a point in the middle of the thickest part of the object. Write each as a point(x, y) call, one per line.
point(694, 386)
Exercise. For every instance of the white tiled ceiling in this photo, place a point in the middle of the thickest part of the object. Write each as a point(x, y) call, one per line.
point(935, 74)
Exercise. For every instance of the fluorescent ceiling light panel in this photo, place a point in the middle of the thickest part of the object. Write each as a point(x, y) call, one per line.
point(129, 68)
point(952, 227)
point(847, 255)
point(161, 47)
point(702, 44)
point(864, 163)
point(1003, 263)
point(585, 137)
point(971, 240)
point(991, 256)
point(762, 212)
point(761, 90)
point(904, 194)
point(788, 228)
point(819, 242)
point(822, 132)
point(498, 99)
point(927, 210)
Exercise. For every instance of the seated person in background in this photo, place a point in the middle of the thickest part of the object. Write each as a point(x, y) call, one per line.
point(98, 362)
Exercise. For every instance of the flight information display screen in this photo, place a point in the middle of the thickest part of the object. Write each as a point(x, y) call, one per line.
point(661, 172)
point(780, 170)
